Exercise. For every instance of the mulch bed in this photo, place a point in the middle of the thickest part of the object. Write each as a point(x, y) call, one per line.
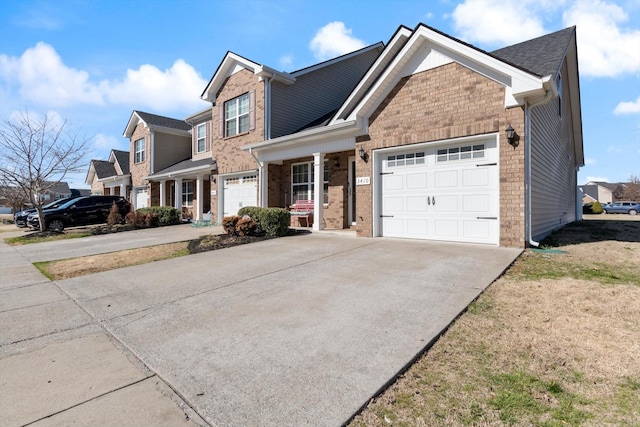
point(221, 241)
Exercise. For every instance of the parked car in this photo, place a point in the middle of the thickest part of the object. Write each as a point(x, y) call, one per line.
point(631, 208)
point(20, 217)
point(86, 210)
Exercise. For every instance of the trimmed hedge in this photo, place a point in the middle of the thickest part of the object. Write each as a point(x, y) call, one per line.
point(271, 221)
point(167, 215)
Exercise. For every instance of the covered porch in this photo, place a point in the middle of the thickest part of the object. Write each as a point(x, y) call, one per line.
point(185, 186)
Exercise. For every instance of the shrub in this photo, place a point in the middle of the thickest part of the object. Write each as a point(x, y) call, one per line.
point(114, 215)
point(130, 218)
point(246, 226)
point(596, 208)
point(255, 213)
point(152, 219)
point(167, 215)
point(275, 221)
point(229, 224)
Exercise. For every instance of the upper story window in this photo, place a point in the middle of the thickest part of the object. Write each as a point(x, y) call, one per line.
point(201, 135)
point(236, 115)
point(559, 83)
point(139, 150)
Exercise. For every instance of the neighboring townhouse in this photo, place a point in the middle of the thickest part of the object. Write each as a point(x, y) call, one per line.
point(603, 192)
point(55, 191)
point(428, 138)
point(110, 177)
point(157, 142)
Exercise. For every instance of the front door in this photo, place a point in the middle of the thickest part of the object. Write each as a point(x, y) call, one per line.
point(352, 191)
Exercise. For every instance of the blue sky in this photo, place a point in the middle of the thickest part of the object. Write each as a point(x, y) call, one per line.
point(92, 62)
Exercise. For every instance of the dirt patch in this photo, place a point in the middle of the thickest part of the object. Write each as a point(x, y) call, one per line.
point(539, 347)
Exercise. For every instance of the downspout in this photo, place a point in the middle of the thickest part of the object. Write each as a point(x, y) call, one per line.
point(527, 165)
point(260, 173)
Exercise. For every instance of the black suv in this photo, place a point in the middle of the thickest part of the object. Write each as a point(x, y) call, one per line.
point(85, 210)
point(20, 218)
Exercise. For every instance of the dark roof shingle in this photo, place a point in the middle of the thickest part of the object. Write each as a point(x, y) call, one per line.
point(167, 122)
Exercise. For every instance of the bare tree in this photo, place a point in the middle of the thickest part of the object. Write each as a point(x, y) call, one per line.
point(38, 153)
point(12, 196)
point(631, 189)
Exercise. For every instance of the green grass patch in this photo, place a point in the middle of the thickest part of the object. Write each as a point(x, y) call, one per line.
point(43, 268)
point(25, 240)
point(537, 266)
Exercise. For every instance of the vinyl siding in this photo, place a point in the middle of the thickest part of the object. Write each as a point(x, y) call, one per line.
point(316, 93)
point(553, 167)
point(169, 150)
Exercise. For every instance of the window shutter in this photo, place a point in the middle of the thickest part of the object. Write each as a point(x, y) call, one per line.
point(252, 110)
point(221, 120)
point(207, 139)
point(194, 140)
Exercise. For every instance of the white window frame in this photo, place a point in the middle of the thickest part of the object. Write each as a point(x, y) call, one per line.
point(139, 150)
point(187, 193)
point(201, 138)
point(232, 119)
point(309, 183)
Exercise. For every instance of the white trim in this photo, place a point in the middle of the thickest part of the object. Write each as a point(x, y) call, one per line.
point(181, 173)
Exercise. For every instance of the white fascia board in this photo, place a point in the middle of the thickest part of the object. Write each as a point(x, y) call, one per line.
point(520, 83)
point(125, 179)
point(266, 73)
point(200, 116)
point(383, 60)
point(315, 134)
point(134, 120)
point(181, 173)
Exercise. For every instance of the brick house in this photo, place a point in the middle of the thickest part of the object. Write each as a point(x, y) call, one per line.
point(408, 139)
point(110, 177)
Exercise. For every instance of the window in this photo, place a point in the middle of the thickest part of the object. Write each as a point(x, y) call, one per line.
point(139, 151)
point(461, 153)
point(559, 85)
point(187, 193)
point(236, 115)
point(409, 159)
point(201, 135)
point(302, 177)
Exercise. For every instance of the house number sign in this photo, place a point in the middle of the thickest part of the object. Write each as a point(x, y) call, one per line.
point(363, 180)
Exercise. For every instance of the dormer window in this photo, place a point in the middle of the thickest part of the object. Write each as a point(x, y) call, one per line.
point(201, 135)
point(236, 115)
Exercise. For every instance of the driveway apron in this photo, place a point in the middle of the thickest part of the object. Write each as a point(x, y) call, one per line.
point(295, 331)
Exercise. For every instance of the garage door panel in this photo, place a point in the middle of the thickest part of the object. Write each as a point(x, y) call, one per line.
point(418, 227)
point(393, 227)
point(392, 182)
point(478, 177)
point(445, 228)
point(476, 203)
point(393, 204)
point(239, 192)
point(417, 181)
point(446, 204)
point(446, 179)
point(478, 230)
point(417, 204)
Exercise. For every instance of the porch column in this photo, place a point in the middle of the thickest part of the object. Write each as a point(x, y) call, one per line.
point(264, 185)
point(179, 195)
point(123, 190)
point(199, 187)
point(163, 196)
point(318, 191)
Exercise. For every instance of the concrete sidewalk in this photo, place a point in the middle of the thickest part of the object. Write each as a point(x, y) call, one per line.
point(295, 331)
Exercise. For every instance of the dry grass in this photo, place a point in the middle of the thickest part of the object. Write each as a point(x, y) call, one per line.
point(534, 350)
point(65, 269)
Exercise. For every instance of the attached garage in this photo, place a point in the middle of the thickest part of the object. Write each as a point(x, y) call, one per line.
point(439, 191)
point(141, 198)
point(240, 191)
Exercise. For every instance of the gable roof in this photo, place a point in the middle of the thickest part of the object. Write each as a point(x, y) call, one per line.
point(155, 122)
point(122, 158)
point(103, 168)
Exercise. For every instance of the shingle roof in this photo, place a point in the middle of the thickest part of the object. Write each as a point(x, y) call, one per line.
point(167, 122)
point(123, 160)
point(542, 56)
point(185, 165)
point(103, 168)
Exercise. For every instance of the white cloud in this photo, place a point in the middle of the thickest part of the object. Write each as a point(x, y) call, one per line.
point(604, 48)
point(630, 107)
point(44, 79)
point(286, 62)
point(590, 161)
point(500, 22)
point(105, 142)
point(332, 40)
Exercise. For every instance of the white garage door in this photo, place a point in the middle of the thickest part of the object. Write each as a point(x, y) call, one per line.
point(240, 192)
point(443, 193)
point(142, 198)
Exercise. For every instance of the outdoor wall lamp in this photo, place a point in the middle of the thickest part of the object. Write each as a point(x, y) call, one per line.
point(362, 154)
point(511, 136)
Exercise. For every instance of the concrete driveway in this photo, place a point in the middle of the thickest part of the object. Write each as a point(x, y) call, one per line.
point(294, 331)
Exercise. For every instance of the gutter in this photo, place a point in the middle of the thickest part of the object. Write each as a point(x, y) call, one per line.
point(527, 163)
